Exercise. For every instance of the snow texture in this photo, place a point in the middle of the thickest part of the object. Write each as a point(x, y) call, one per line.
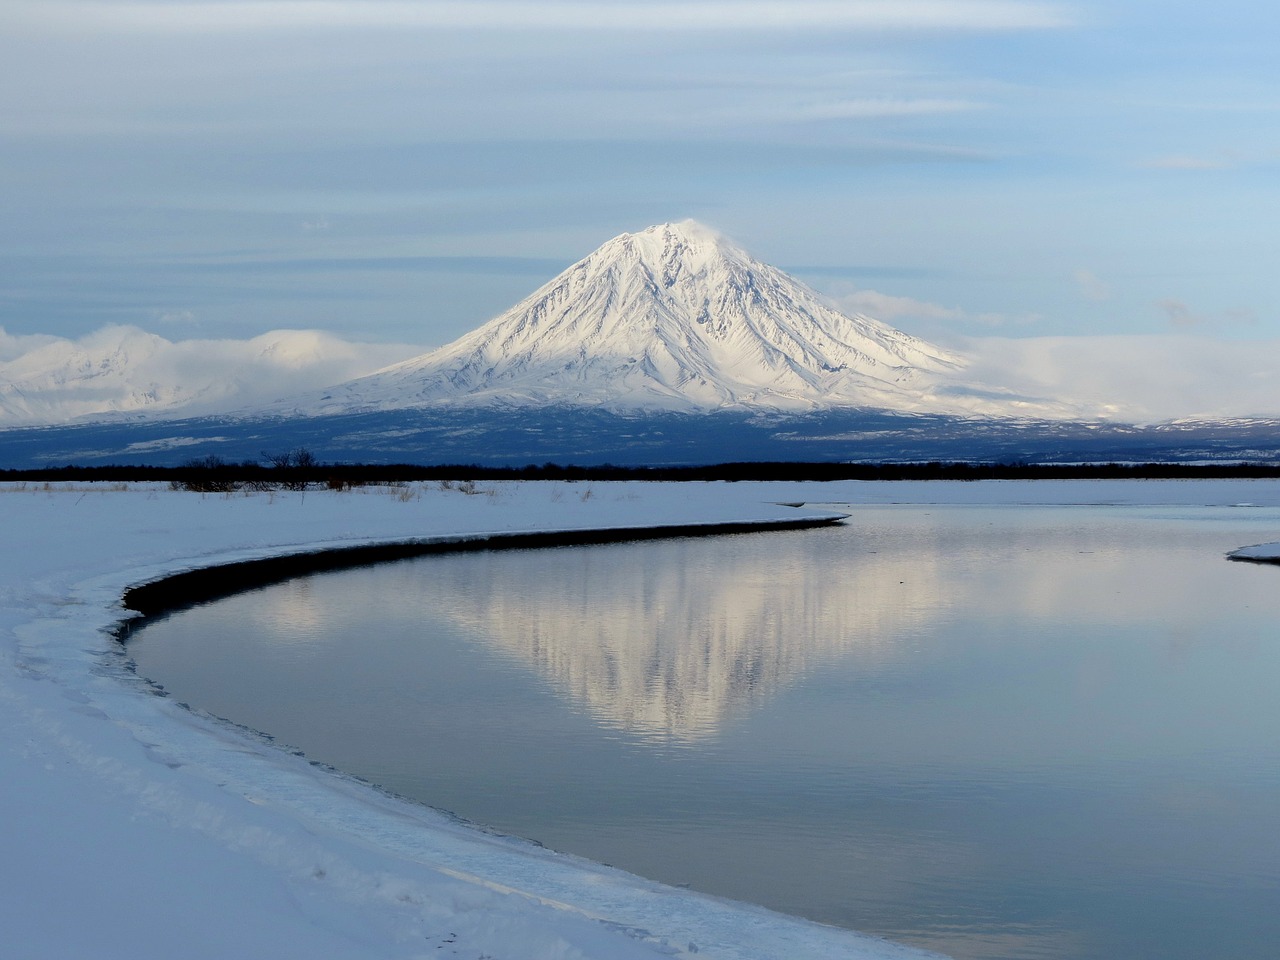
point(678, 318)
point(133, 827)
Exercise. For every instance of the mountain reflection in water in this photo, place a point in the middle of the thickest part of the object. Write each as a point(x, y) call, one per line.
point(1026, 732)
point(644, 646)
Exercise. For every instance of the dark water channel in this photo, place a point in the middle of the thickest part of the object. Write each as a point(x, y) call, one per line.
point(1011, 732)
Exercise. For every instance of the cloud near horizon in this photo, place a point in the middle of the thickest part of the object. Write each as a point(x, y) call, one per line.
point(1181, 317)
point(126, 370)
point(654, 15)
point(1141, 378)
point(209, 156)
point(889, 308)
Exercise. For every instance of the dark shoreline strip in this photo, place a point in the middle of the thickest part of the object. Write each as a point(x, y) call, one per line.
point(1244, 559)
point(179, 590)
point(217, 476)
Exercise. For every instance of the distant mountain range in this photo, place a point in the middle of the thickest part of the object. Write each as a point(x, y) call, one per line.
point(671, 345)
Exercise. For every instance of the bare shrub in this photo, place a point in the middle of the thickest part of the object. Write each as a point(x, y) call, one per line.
point(293, 469)
point(205, 475)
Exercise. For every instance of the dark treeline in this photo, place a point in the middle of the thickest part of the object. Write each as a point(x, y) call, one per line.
point(301, 470)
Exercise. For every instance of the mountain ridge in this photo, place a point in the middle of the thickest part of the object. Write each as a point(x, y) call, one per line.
point(586, 436)
point(675, 318)
point(678, 318)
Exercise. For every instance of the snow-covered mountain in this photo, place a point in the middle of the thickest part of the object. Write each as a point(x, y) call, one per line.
point(124, 371)
point(678, 318)
point(675, 318)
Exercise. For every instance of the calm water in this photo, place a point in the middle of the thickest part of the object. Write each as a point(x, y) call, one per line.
point(995, 732)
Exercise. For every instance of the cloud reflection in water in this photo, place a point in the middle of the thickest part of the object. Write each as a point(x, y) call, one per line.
point(656, 643)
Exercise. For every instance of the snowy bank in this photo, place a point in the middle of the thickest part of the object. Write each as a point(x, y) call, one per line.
point(1258, 553)
point(133, 827)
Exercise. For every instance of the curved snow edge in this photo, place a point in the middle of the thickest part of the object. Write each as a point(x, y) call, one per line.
point(232, 842)
point(1258, 553)
point(184, 588)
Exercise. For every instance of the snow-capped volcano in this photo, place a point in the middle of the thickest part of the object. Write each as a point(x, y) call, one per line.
point(674, 317)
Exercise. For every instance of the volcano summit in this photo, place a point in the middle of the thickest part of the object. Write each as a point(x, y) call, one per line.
point(677, 318)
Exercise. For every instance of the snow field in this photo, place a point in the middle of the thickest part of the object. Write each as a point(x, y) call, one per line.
point(133, 827)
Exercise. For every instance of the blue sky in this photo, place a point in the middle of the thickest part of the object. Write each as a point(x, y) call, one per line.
point(401, 171)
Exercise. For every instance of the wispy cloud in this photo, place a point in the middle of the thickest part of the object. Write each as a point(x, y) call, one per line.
point(1187, 162)
point(893, 309)
point(1179, 314)
point(658, 15)
point(176, 317)
point(890, 308)
point(990, 141)
point(882, 107)
point(1092, 287)
point(1182, 317)
point(14, 346)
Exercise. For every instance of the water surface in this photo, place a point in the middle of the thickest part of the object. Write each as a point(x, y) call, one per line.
point(998, 732)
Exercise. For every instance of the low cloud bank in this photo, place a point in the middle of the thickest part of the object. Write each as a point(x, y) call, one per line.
point(1143, 379)
point(125, 370)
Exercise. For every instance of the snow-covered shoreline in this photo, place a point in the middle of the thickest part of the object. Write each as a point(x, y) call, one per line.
point(133, 827)
point(1258, 553)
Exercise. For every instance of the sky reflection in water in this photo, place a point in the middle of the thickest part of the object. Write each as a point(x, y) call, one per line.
point(995, 732)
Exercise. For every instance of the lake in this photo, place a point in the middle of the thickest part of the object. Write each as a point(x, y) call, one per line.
point(996, 732)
